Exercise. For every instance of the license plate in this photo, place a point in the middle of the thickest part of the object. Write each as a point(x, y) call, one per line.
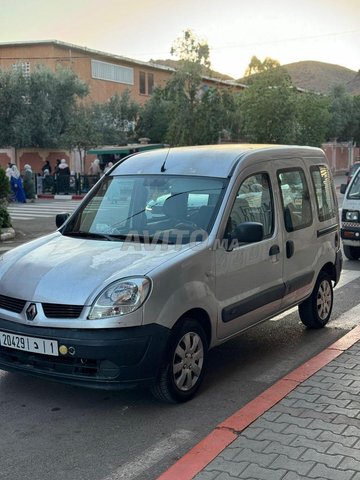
point(29, 344)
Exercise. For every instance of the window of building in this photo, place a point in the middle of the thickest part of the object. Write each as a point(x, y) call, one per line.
point(295, 199)
point(150, 83)
point(146, 83)
point(142, 83)
point(326, 205)
point(112, 72)
point(22, 67)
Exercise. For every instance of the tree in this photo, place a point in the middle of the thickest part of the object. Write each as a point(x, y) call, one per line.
point(257, 66)
point(183, 91)
point(82, 131)
point(117, 119)
point(268, 108)
point(154, 118)
point(312, 114)
point(36, 109)
point(341, 123)
point(12, 91)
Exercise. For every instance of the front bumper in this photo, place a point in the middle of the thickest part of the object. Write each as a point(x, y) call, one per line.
point(338, 265)
point(350, 235)
point(109, 359)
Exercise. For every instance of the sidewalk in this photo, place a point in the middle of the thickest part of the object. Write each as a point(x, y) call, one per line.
point(307, 425)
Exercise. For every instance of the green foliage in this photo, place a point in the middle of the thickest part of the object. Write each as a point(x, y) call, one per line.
point(4, 185)
point(117, 118)
point(313, 116)
point(268, 108)
point(257, 66)
point(35, 110)
point(5, 221)
point(154, 118)
point(342, 122)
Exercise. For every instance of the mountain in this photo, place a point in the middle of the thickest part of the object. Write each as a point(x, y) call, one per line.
point(321, 77)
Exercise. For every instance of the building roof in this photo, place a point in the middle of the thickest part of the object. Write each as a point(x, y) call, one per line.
point(120, 58)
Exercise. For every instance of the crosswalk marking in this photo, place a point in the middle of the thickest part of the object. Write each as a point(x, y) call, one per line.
point(41, 209)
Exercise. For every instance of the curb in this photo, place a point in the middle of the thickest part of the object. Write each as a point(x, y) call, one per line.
point(7, 234)
point(60, 197)
point(226, 432)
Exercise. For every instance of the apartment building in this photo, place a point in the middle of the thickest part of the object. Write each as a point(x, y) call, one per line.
point(105, 73)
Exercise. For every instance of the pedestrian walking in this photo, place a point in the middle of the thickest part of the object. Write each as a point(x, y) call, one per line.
point(63, 177)
point(28, 181)
point(16, 185)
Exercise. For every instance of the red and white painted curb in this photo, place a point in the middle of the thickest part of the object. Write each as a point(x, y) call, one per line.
point(226, 432)
point(60, 197)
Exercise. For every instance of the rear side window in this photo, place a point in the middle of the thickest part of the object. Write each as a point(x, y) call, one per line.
point(295, 199)
point(324, 194)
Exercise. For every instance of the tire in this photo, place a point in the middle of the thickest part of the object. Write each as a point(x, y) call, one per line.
point(316, 310)
point(179, 381)
point(352, 253)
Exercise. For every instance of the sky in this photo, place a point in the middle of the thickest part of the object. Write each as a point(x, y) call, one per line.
point(235, 30)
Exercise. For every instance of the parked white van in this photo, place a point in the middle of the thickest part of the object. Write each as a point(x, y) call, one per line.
point(172, 252)
point(350, 218)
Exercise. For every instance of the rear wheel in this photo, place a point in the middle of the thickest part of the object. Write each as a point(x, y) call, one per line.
point(352, 253)
point(316, 310)
point(184, 365)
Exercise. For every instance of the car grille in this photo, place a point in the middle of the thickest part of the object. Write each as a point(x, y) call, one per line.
point(51, 310)
point(12, 304)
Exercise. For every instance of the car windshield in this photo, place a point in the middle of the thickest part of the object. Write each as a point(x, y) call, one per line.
point(160, 208)
point(354, 190)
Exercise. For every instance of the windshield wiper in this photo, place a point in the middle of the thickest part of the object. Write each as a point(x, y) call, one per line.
point(134, 237)
point(95, 236)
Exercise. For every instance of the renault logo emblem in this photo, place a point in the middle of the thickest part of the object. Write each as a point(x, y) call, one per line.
point(31, 311)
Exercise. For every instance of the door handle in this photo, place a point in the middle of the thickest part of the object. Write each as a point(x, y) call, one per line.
point(274, 250)
point(289, 248)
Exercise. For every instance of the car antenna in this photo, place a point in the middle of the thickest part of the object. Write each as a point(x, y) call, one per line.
point(163, 169)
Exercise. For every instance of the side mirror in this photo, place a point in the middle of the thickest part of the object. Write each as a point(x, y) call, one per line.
point(246, 232)
point(249, 232)
point(61, 219)
point(343, 188)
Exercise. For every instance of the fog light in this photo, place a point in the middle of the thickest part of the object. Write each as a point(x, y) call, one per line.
point(108, 369)
point(63, 349)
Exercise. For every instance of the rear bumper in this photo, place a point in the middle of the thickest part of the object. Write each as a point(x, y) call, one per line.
point(108, 359)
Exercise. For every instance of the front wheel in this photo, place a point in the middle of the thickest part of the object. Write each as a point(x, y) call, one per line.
point(352, 253)
point(184, 365)
point(316, 310)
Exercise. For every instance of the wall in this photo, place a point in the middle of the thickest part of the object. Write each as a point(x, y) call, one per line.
point(341, 155)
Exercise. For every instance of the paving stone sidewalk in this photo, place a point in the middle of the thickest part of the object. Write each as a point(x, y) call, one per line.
point(313, 432)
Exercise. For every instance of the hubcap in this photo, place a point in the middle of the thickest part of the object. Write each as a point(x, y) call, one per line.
point(324, 299)
point(188, 361)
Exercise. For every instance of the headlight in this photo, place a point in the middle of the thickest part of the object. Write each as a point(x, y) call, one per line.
point(121, 297)
point(352, 216)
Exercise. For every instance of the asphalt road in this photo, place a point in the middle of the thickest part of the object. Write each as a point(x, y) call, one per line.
point(50, 430)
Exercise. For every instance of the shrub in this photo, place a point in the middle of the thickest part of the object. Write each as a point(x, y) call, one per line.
point(4, 185)
point(5, 221)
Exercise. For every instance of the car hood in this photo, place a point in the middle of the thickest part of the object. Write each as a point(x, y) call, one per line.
point(59, 269)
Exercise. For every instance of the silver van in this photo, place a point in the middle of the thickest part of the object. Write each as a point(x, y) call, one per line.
point(172, 252)
point(350, 217)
